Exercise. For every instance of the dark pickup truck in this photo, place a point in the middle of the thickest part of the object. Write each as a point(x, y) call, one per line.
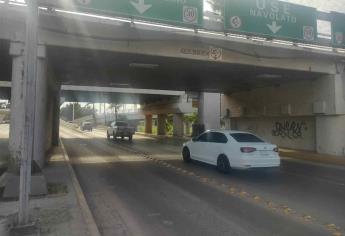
point(120, 129)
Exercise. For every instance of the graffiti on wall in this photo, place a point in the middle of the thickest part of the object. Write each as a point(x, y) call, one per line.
point(289, 129)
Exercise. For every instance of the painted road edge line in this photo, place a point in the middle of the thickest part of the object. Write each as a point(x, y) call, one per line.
point(85, 209)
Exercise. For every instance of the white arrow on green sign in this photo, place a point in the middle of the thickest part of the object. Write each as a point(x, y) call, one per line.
point(271, 18)
point(177, 12)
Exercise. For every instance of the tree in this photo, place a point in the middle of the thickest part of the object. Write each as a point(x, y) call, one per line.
point(115, 107)
point(79, 112)
point(191, 118)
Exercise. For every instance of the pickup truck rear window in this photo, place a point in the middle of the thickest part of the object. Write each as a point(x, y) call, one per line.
point(121, 124)
point(246, 138)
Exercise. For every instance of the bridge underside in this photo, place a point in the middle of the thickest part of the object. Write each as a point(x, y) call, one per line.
point(109, 97)
point(102, 68)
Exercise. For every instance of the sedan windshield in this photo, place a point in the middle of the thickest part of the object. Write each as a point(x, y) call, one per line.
point(246, 138)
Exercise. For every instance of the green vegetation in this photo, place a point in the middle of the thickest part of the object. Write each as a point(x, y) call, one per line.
point(79, 112)
point(188, 119)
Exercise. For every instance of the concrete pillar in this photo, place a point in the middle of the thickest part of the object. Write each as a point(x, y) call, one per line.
point(330, 135)
point(56, 118)
point(188, 125)
point(49, 126)
point(17, 105)
point(9, 181)
point(161, 127)
point(209, 110)
point(148, 124)
point(41, 108)
point(178, 125)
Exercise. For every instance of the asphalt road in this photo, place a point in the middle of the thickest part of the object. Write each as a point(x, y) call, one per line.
point(130, 193)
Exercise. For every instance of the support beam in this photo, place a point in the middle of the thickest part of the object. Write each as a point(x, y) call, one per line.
point(161, 127)
point(148, 124)
point(178, 128)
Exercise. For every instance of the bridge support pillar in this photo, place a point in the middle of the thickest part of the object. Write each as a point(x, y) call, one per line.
point(41, 107)
point(17, 106)
point(56, 118)
point(161, 127)
point(148, 124)
point(9, 181)
point(178, 125)
point(209, 110)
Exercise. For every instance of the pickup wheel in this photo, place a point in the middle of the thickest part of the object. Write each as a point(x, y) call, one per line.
point(130, 137)
point(108, 136)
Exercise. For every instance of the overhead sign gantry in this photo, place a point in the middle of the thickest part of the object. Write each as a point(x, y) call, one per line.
point(271, 18)
point(177, 12)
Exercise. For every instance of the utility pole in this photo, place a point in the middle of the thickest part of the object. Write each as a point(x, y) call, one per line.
point(105, 115)
point(73, 116)
point(30, 77)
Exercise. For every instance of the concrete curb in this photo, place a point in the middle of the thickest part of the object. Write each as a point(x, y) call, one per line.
point(85, 210)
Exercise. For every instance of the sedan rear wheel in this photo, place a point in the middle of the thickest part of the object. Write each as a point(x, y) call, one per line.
point(223, 164)
point(186, 155)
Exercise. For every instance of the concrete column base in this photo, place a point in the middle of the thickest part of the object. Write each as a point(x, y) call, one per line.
point(161, 127)
point(10, 181)
point(178, 125)
point(148, 124)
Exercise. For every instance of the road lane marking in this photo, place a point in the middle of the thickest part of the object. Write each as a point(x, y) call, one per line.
point(331, 228)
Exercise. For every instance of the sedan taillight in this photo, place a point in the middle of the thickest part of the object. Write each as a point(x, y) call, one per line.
point(248, 149)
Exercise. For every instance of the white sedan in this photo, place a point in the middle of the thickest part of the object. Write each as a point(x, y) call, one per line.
point(231, 149)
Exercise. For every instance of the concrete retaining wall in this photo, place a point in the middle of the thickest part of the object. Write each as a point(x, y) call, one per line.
point(288, 132)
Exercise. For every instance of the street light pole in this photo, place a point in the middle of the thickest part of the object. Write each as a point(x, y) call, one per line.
point(30, 77)
point(73, 116)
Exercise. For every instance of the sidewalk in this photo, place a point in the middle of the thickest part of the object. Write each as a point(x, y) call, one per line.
point(312, 157)
point(59, 213)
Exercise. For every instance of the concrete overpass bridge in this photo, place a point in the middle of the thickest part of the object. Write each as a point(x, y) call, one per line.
point(268, 86)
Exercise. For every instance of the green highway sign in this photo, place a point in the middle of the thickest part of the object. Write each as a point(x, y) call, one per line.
point(338, 29)
point(271, 18)
point(176, 12)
